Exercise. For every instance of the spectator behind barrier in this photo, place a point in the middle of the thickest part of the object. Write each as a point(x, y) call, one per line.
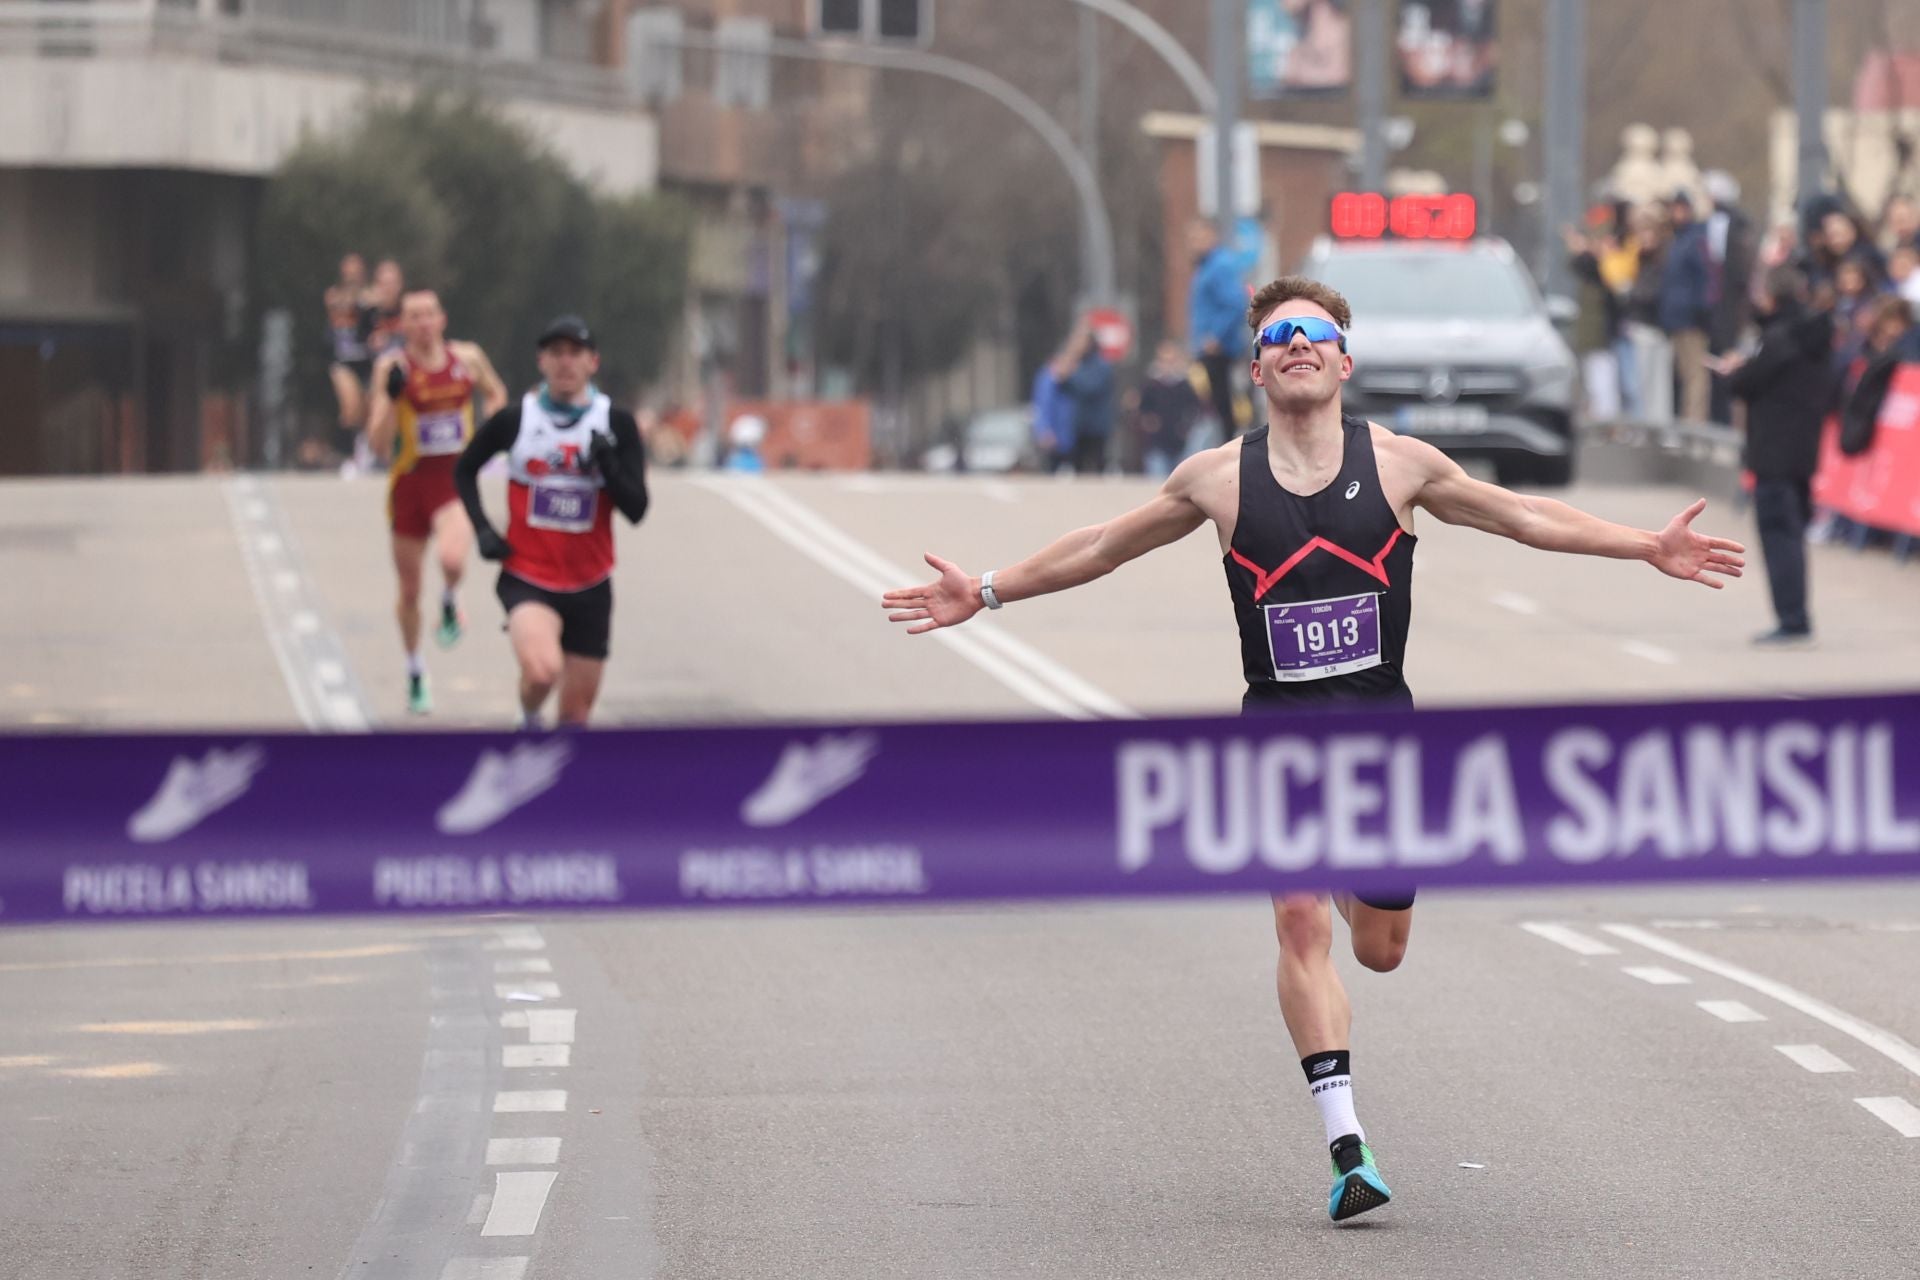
point(1891, 340)
point(1686, 306)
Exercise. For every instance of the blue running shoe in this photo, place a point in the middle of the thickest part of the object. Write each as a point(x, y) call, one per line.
point(1359, 1189)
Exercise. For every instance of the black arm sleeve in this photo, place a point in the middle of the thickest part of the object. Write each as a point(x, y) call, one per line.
point(496, 435)
point(627, 478)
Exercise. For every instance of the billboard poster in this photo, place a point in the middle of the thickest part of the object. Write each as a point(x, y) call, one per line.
point(1448, 48)
point(1299, 48)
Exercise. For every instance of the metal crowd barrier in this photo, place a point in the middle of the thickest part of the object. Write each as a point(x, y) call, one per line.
point(157, 827)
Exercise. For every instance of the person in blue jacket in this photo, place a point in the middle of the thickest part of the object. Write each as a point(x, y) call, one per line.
point(1216, 318)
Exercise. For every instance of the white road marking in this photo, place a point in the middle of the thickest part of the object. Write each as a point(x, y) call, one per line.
point(1880, 1041)
point(515, 1102)
point(518, 1199)
point(330, 672)
point(516, 1021)
point(536, 1055)
point(523, 1150)
point(1515, 602)
point(527, 990)
point(1898, 1112)
point(256, 509)
point(527, 940)
point(286, 581)
point(1687, 924)
point(534, 964)
point(550, 1026)
point(1814, 1058)
point(1651, 652)
point(1014, 663)
point(1657, 976)
point(306, 622)
point(267, 544)
point(345, 712)
point(303, 700)
point(485, 1269)
point(1578, 943)
point(1731, 1011)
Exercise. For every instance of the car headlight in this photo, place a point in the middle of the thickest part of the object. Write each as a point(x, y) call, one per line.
point(1551, 384)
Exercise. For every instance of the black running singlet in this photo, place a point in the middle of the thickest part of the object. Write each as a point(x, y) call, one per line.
point(1321, 583)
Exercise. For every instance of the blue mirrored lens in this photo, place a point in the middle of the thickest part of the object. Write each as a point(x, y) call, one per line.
point(1280, 332)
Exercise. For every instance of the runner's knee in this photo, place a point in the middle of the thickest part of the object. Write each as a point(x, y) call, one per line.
point(1381, 953)
point(542, 670)
point(1304, 926)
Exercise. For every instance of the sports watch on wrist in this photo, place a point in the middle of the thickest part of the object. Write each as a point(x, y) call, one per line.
point(987, 596)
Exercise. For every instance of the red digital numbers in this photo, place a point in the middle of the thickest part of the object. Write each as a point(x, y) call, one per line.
point(1359, 215)
point(1366, 215)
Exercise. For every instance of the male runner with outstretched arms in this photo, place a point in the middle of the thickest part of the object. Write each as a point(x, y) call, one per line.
point(1314, 513)
point(422, 417)
point(571, 459)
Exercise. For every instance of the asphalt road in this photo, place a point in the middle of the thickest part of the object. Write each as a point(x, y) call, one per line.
point(1695, 1082)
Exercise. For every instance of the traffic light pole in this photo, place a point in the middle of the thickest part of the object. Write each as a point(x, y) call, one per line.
point(1097, 271)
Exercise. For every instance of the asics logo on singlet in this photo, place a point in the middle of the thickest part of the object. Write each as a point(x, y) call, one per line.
point(501, 783)
point(1353, 491)
point(192, 792)
point(807, 775)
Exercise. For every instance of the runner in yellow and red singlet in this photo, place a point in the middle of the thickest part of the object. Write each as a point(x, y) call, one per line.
point(422, 417)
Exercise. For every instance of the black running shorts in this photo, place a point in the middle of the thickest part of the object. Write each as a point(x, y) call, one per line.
point(1271, 701)
point(586, 617)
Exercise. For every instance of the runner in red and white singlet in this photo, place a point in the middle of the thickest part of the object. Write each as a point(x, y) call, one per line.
point(572, 458)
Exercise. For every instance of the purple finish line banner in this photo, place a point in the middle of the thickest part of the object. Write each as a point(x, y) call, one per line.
point(120, 828)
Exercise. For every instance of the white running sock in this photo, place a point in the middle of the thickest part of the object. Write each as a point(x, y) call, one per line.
point(415, 666)
point(1330, 1077)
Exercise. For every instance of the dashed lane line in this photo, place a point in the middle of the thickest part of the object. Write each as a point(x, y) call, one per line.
point(1815, 1058)
point(1731, 1011)
point(1573, 940)
point(523, 1150)
point(1654, 974)
point(518, 1201)
point(1878, 1039)
point(1898, 1112)
point(550, 1026)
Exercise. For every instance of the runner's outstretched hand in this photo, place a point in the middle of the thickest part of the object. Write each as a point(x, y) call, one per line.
point(1683, 553)
point(947, 601)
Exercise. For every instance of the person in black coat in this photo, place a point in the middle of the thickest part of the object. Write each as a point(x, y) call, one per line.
point(1788, 386)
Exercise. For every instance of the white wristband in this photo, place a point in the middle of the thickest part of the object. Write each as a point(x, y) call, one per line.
point(987, 597)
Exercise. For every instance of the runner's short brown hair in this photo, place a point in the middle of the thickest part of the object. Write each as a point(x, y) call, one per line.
point(1294, 289)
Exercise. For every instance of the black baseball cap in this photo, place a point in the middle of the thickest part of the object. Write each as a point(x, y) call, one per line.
point(568, 329)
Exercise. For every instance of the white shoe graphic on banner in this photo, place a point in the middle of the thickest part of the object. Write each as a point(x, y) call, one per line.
point(192, 792)
point(807, 775)
point(500, 784)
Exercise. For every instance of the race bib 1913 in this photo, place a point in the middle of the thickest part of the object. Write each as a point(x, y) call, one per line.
point(1319, 638)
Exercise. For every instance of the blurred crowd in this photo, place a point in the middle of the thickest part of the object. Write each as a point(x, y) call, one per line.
point(1672, 286)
